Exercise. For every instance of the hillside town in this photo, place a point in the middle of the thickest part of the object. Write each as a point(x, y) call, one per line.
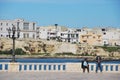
point(92, 36)
point(58, 39)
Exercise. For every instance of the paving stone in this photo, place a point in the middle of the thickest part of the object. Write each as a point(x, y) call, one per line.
point(58, 76)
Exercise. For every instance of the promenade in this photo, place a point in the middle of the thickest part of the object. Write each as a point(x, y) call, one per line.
point(58, 76)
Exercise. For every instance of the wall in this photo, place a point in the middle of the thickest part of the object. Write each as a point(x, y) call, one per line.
point(55, 67)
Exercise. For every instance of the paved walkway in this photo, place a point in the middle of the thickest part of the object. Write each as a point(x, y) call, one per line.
point(58, 76)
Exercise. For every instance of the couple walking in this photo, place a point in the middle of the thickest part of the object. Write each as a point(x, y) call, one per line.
point(85, 64)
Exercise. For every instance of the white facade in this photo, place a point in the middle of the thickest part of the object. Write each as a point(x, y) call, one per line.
point(27, 29)
point(64, 36)
point(111, 37)
point(50, 32)
point(42, 33)
point(73, 37)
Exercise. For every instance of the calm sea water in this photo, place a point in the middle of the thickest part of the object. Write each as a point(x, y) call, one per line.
point(55, 60)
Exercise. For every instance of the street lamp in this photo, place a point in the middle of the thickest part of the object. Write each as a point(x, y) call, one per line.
point(11, 35)
point(56, 31)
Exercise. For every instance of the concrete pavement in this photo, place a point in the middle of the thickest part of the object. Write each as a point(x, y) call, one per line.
point(58, 76)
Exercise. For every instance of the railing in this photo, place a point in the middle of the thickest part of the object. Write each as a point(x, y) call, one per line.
point(106, 67)
point(54, 67)
point(42, 67)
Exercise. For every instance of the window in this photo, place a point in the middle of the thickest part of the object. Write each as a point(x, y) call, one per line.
point(99, 40)
point(103, 29)
point(98, 37)
point(1, 29)
point(78, 30)
point(84, 41)
point(93, 36)
point(76, 35)
point(83, 36)
point(33, 36)
point(1, 24)
point(68, 35)
point(104, 42)
point(7, 35)
point(72, 35)
point(33, 26)
point(68, 40)
point(47, 32)
point(52, 33)
point(87, 37)
point(62, 34)
point(26, 26)
point(6, 24)
point(27, 35)
point(17, 24)
point(24, 35)
point(104, 33)
point(1, 35)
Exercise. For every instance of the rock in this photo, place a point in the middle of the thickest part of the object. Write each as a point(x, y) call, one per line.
point(43, 46)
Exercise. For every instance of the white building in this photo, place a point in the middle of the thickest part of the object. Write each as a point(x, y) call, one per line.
point(27, 29)
point(42, 33)
point(111, 36)
point(73, 36)
point(64, 36)
point(57, 33)
point(49, 32)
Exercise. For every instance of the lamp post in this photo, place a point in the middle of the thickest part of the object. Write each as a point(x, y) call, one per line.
point(56, 31)
point(12, 35)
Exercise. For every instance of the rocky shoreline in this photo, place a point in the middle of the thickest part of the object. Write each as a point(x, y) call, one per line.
point(90, 58)
point(42, 48)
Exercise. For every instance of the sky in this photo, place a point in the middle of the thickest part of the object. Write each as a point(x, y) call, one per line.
point(70, 13)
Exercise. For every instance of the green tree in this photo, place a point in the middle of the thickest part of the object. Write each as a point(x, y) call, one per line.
point(19, 51)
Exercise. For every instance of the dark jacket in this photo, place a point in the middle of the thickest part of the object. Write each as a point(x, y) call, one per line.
point(98, 59)
point(82, 66)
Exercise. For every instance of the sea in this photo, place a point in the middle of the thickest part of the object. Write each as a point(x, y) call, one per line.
point(55, 60)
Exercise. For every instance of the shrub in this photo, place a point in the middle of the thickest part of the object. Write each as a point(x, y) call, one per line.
point(44, 54)
point(27, 48)
point(19, 51)
point(5, 52)
point(64, 53)
point(111, 49)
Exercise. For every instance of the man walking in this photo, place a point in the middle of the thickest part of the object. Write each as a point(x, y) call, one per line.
point(98, 64)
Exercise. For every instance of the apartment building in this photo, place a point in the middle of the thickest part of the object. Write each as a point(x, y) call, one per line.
point(91, 38)
point(73, 36)
point(27, 29)
point(58, 33)
point(64, 36)
point(48, 32)
point(42, 33)
point(110, 36)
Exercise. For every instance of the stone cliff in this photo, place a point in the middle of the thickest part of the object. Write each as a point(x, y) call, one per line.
point(43, 46)
point(38, 46)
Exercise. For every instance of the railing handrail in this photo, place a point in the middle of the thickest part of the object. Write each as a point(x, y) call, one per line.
point(67, 67)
